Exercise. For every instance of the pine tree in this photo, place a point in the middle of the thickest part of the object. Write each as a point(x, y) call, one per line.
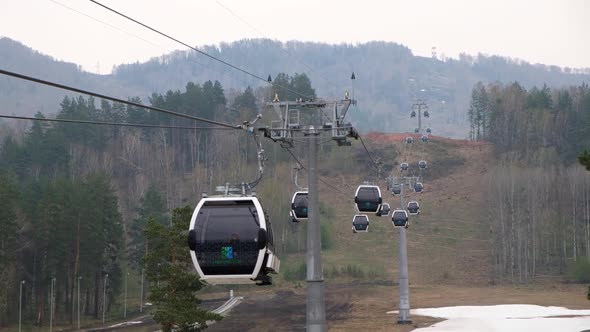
point(245, 104)
point(584, 159)
point(173, 281)
point(152, 206)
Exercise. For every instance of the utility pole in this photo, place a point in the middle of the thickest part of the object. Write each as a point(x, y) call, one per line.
point(79, 279)
point(283, 131)
point(125, 310)
point(404, 288)
point(420, 105)
point(51, 301)
point(316, 311)
point(20, 305)
point(141, 291)
point(104, 298)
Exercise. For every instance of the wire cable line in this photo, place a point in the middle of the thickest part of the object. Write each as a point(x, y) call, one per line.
point(196, 49)
point(282, 49)
point(375, 164)
point(106, 123)
point(192, 59)
point(122, 101)
point(319, 179)
point(105, 23)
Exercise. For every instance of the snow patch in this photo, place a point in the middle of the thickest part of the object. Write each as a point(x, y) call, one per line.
point(499, 311)
point(505, 318)
point(125, 324)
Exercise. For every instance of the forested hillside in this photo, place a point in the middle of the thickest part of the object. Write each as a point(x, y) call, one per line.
point(382, 70)
point(539, 197)
point(75, 198)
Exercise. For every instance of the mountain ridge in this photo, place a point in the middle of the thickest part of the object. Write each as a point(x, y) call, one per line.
point(383, 71)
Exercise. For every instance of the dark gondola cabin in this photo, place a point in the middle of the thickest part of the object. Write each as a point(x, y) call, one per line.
point(418, 187)
point(416, 130)
point(426, 114)
point(360, 223)
point(413, 208)
point(231, 241)
point(409, 139)
point(422, 164)
point(425, 138)
point(385, 209)
point(368, 198)
point(396, 189)
point(299, 206)
point(404, 166)
point(428, 130)
point(399, 218)
point(413, 114)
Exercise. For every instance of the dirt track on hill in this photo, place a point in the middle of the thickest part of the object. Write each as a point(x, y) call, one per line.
point(353, 308)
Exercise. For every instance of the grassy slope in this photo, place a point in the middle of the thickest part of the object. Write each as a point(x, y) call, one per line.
point(447, 242)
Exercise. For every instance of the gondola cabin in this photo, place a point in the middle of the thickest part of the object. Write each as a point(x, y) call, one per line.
point(399, 218)
point(396, 189)
point(299, 205)
point(292, 217)
point(409, 139)
point(368, 198)
point(404, 166)
point(413, 208)
point(422, 164)
point(428, 130)
point(385, 209)
point(416, 130)
point(425, 138)
point(413, 114)
point(231, 241)
point(426, 114)
point(418, 187)
point(360, 223)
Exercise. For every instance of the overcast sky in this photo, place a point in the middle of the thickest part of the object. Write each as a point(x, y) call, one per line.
point(555, 32)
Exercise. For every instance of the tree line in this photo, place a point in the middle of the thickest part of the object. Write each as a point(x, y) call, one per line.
point(537, 192)
point(539, 125)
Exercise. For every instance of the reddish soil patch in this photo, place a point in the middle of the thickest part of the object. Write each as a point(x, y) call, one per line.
point(398, 137)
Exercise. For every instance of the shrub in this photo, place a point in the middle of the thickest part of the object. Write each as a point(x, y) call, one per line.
point(579, 270)
point(326, 235)
point(298, 272)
